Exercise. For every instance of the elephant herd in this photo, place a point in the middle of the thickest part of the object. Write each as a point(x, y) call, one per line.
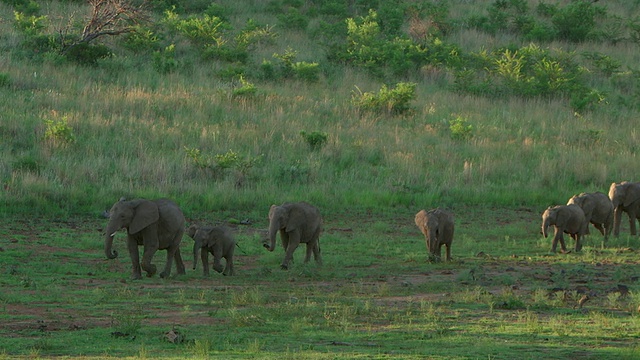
point(160, 225)
point(604, 212)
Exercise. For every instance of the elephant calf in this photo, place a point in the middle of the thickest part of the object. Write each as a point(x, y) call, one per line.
point(437, 227)
point(568, 219)
point(217, 240)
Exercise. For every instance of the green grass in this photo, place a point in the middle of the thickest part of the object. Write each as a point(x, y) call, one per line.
point(376, 296)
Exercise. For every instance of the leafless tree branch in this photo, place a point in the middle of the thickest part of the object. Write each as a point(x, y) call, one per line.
point(111, 18)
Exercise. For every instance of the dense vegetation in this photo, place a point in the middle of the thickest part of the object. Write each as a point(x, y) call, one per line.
point(229, 105)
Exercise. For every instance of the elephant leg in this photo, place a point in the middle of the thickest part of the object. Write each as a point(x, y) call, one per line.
point(293, 242)
point(228, 269)
point(132, 246)
point(307, 256)
point(204, 256)
point(599, 227)
point(179, 263)
point(563, 246)
point(317, 254)
point(632, 222)
point(171, 253)
point(217, 263)
point(578, 242)
point(448, 252)
point(147, 256)
point(557, 236)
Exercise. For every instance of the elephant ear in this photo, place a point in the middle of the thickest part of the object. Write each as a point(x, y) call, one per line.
point(296, 218)
point(146, 213)
point(632, 194)
point(206, 236)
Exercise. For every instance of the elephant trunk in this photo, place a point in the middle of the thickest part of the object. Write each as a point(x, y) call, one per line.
point(617, 217)
point(273, 230)
point(545, 226)
point(108, 251)
point(196, 254)
point(108, 241)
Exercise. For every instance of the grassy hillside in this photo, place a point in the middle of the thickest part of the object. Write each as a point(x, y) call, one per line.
point(206, 102)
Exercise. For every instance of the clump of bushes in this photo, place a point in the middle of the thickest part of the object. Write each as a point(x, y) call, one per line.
point(394, 100)
point(315, 139)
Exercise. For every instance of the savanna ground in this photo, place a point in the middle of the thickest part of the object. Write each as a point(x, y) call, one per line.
point(504, 296)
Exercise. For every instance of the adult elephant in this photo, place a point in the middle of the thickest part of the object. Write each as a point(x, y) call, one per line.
point(565, 219)
point(154, 224)
point(598, 210)
point(298, 223)
point(625, 197)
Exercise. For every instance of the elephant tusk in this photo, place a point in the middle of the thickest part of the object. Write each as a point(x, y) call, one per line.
point(114, 234)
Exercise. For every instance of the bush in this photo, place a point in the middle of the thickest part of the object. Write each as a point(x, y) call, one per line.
point(87, 54)
point(293, 19)
point(246, 89)
point(309, 72)
point(460, 129)
point(164, 61)
point(315, 139)
point(59, 132)
point(394, 101)
point(577, 20)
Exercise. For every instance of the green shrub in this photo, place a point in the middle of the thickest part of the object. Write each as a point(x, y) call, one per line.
point(201, 30)
point(460, 129)
point(395, 100)
point(315, 139)
point(59, 132)
point(5, 80)
point(28, 7)
point(254, 33)
point(246, 89)
point(141, 39)
point(29, 25)
point(287, 67)
point(293, 19)
point(87, 54)
point(576, 21)
point(309, 72)
point(164, 61)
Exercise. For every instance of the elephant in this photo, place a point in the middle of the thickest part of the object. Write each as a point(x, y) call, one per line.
point(437, 226)
point(625, 197)
point(298, 222)
point(598, 210)
point(217, 240)
point(155, 224)
point(568, 219)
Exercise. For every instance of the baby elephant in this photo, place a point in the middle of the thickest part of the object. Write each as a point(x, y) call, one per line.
point(217, 240)
point(437, 227)
point(568, 219)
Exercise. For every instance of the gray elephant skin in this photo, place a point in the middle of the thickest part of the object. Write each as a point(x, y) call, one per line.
point(217, 240)
point(154, 224)
point(598, 210)
point(437, 225)
point(568, 219)
point(298, 223)
point(625, 197)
